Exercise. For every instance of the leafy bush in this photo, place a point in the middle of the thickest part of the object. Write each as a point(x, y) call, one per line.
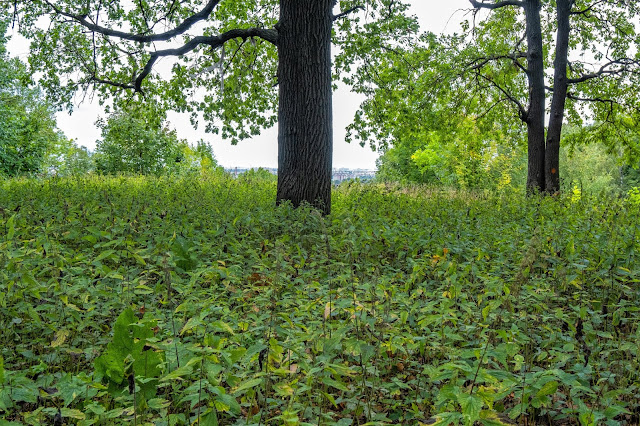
point(634, 196)
point(29, 138)
point(137, 140)
point(258, 176)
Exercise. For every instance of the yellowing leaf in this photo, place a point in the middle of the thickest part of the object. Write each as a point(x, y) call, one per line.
point(548, 389)
point(139, 259)
point(327, 310)
point(72, 414)
point(193, 322)
point(74, 307)
point(60, 337)
point(221, 326)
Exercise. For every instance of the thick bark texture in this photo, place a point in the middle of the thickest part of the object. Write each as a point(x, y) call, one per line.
point(560, 86)
point(305, 139)
point(535, 114)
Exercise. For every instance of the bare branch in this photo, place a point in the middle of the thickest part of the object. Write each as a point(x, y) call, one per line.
point(481, 62)
point(610, 102)
point(497, 5)
point(347, 12)
point(144, 15)
point(599, 100)
point(96, 79)
point(212, 41)
point(522, 112)
point(487, 111)
point(588, 9)
point(624, 63)
point(141, 38)
point(14, 18)
point(512, 56)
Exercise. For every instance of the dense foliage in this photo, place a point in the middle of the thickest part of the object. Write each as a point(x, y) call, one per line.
point(137, 300)
point(138, 139)
point(29, 138)
point(513, 64)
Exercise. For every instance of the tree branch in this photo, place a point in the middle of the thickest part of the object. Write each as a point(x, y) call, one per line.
point(521, 109)
point(610, 102)
point(347, 12)
point(497, 5)
point(141, 38)
point(96, 79)
point(588, 9)
point(270, 35)
point(599, 100)
point(480, 62)
point(625, 64)
point(486, 112)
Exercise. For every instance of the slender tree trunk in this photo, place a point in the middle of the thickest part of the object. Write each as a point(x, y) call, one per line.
point(560, 86)
point(305, 133)
point(535, 115)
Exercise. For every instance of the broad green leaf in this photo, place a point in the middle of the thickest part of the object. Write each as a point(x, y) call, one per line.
point(548, 389)
point(158, 404)
point(446, 419)
point(614, 410)
point(115, 413)
point(338, 385)
point(11, 225)
point(183, 371)
point(367, 351)
point(210, 419)
point(248, 385)
point(229, 402)
point(104, 255)
point(471, 406)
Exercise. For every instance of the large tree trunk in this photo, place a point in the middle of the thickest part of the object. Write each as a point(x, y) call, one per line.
point(305, 134)
point(560, 86)
point(535, 116)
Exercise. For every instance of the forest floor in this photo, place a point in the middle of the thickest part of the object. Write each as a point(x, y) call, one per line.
point(132, 300)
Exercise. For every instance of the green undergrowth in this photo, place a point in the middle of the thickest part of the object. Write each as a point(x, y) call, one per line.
point(174, 302)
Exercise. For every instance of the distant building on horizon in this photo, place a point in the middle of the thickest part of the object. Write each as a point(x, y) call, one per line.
point(338, 175)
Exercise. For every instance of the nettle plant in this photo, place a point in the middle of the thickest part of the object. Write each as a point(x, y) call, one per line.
point(183, 300)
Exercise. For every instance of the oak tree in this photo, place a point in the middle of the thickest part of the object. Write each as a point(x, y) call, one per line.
point(541, 63)
point(233, 64)
point(580, 53)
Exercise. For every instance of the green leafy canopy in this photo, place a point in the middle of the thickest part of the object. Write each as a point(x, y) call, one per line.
point(229, 85)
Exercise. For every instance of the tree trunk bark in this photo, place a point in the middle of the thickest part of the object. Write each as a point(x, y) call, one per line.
point(535, 114)
point(305, 132)
point(560, 86)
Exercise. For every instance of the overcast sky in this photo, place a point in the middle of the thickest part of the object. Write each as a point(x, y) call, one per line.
point(434, 15)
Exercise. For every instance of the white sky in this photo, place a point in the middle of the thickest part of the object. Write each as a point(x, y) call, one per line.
point(261, 151)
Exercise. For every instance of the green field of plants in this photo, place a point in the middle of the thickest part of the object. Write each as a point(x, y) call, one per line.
point(166, 301)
